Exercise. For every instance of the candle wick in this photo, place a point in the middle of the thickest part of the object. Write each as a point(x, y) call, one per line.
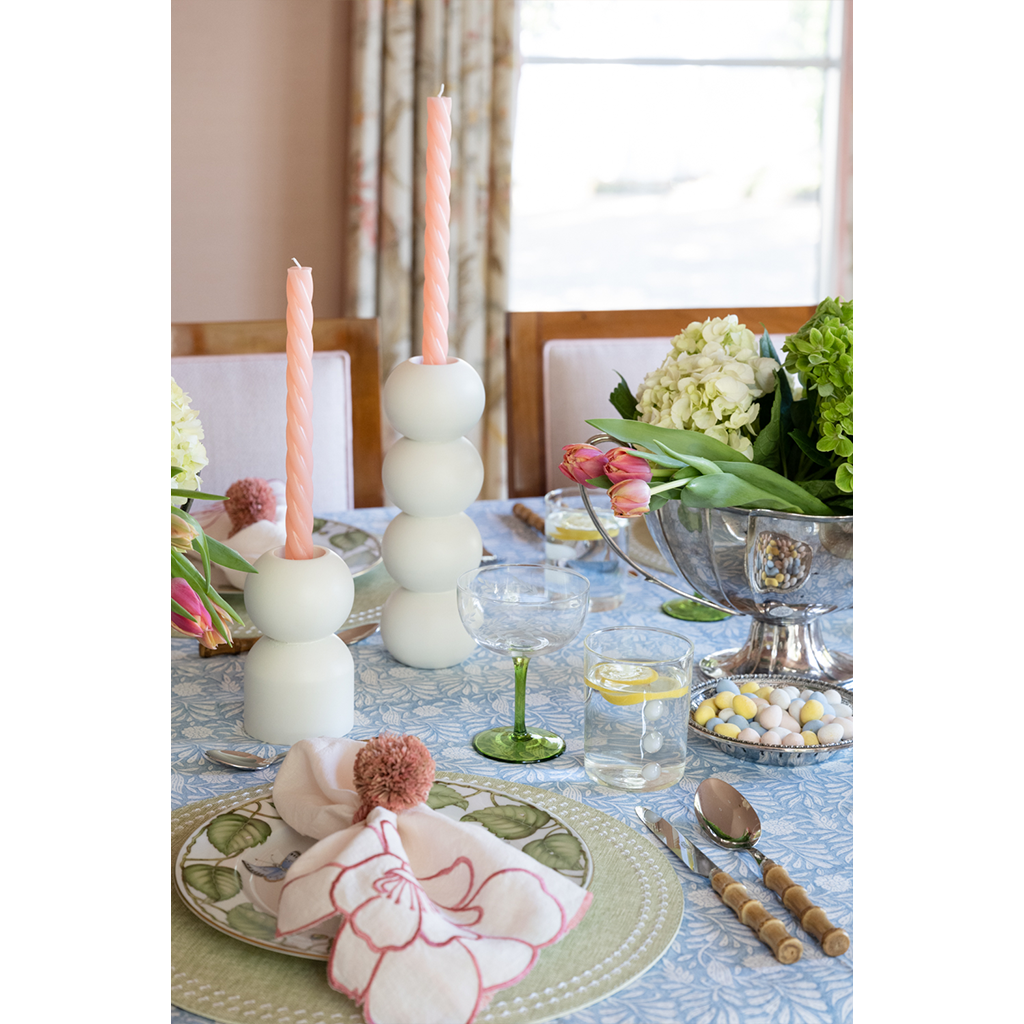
point(441, 93)
point(297, 263)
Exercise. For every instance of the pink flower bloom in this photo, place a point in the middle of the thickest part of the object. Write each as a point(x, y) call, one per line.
point(450, 934)
point(182, 533)
point(582, 462)
point(630, 498)
point(200, 624)
point(624, 465)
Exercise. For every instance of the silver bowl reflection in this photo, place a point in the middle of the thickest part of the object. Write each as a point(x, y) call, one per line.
point(782, 569)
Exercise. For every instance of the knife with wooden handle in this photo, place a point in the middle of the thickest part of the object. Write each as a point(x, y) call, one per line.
point(770, 930)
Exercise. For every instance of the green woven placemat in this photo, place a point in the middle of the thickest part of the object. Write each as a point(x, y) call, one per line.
point(635, 914)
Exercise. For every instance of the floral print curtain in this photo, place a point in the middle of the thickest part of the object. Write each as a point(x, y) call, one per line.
point(402, 52)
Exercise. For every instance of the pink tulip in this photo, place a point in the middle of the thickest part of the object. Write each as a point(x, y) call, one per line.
point(630, 498)
point(582, 462)
point(200, 624)
point(624, 465)
point(182, 533)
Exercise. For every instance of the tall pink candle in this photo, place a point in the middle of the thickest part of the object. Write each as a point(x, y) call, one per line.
point(299, 462)
point(436, 236)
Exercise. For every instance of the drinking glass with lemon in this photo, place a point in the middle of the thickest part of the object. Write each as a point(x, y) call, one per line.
point(573, 542)
point(636, 706)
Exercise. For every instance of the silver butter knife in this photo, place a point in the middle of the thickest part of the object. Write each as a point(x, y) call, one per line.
point(770, 930)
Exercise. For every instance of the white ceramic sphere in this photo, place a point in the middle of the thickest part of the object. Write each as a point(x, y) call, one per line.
point(430, 554)
point(432, 479)
point(299, 600)
point(427, 402)
point(294, 691)
point(424, 630)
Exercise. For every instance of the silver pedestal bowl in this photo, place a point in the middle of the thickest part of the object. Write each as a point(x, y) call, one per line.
point(782, 569)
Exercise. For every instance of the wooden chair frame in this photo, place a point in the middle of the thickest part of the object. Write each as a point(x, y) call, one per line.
point(526, 334)
point(360, 338)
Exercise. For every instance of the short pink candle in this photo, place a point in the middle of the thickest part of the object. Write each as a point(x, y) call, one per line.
point(299, 462)
point(436, 236)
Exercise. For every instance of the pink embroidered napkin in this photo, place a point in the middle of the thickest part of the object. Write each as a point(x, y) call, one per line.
point(433, 916)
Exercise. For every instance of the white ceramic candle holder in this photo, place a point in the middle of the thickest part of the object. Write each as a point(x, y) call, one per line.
point(432, 473)
point(299, 675)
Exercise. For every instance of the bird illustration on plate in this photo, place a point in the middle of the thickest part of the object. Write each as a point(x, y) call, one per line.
point(273, 872)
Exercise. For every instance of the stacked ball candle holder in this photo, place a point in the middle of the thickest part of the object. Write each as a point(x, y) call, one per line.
point(432, 473)
point(299, 674)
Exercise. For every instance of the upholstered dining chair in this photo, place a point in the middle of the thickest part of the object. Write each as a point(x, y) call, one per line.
point(561, 368)
point(234, 373)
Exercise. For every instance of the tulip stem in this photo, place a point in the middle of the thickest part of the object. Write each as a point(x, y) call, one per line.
point(519, 722)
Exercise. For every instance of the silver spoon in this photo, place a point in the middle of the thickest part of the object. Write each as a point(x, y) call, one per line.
point(729, 821)
point(240, 759)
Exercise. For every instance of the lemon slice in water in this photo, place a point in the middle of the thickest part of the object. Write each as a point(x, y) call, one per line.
point(623, 683)
point(577, 526)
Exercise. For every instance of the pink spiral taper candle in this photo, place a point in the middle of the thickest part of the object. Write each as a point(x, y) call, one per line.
point(299, 461)
point(436, 236)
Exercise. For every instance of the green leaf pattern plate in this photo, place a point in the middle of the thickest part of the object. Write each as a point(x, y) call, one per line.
point(230, 869)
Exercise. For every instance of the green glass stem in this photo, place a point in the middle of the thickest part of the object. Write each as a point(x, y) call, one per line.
point(519, 720)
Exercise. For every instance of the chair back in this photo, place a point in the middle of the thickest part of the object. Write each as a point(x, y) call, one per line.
point(561, 368)
point(235, 374)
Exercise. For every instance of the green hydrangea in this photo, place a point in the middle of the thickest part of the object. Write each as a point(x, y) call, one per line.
point(709, 382)
point(187, 449)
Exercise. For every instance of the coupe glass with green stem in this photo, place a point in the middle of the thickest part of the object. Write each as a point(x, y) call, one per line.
point(521, 611)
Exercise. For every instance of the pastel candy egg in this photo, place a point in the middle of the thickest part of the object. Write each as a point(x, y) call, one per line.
point(813, 709)
point(831, 697)
point(704, 714)
point(826, 718)
point(793, 692)
point(744, 706)
point(750, 686)
point(759, 729)
point(727, 729)
point(789, 722)
point(770, 716)
point(847, 724)
point(780, 699)
point(812, 726)
point(760, 702)
point(771, 739)
point(724, 699)
point(765, 692)
point(842, 710)
point(807, 694)
point(739, 721)
point(810, 740)
point(748, 736)
point(831, 733)
point(727, 686)
point(795, 707)
point(712, 723)
point(792, 739)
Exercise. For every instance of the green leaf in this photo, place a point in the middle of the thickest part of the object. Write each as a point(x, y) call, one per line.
point(844, 477)
point(779, 486)
point(177, 493)
point(704, 466)
point(509, 821)
point(558, 851)
point(444, 796)
point(233, 833)
point(219, 883)
point(623, 400)
point(679, 442)
point(803, 442)
point(245, 918)
point(659, 499)
point(175, 470)
point(228, 557)
point(726, 489)
point(178, 610)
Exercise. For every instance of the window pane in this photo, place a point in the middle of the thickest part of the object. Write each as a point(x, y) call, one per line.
point(655, 186)
point(777, 29)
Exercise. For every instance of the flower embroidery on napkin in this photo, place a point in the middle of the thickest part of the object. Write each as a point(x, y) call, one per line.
point(453, 935)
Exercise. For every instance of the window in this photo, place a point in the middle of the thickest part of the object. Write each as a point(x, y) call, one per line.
point(673, 153)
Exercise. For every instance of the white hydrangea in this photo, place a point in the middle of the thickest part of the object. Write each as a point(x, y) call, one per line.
point(187, 450)
point(709, 383)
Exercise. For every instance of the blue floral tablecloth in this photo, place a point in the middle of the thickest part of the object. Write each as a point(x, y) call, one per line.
point(714, 972)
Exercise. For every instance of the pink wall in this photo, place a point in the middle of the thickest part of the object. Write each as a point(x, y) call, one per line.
point(259, 93)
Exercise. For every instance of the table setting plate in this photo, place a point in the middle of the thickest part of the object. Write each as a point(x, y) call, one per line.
point(778, 757)
point(238, 892)
point(635, 914)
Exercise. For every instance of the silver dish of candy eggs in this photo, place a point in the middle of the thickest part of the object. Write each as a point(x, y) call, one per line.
point(775, 756)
